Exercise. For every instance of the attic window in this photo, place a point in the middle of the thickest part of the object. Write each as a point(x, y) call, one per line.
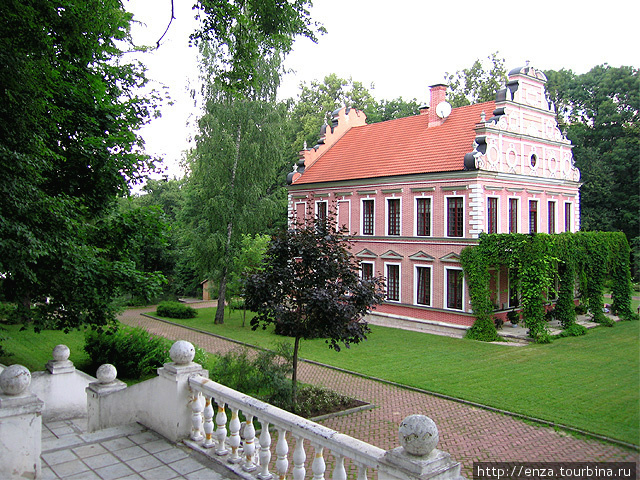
point(534, 160)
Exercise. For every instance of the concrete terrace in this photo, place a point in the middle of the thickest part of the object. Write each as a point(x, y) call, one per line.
point(467, 432)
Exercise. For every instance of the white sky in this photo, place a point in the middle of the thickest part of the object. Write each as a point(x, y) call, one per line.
point(400, 50)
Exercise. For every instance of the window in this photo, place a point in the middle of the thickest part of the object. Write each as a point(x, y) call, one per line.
point(454, 289)
point(423, 285)
point(552, 217)
point(393, 216)
point(455, 216)
point(514, 294)
point(533, 216)
point(567, 217)
point(321, 215)
point(423, 217)
point(393, 283)
point(367, 270)
point(367, 217)
point(513, 215)
point(492, 215)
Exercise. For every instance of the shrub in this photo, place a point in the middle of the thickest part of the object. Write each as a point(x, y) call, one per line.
point(574, 330)
point(175, 310)
point(513, 316)
point(314, 401)
point(498, 323)
point(133, 351)
point(8, 314)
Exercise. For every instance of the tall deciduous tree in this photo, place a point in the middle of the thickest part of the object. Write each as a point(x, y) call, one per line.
point(69, 110)
point(601, 113)
point(243, 43)
point(478, 83)
point(311, 287)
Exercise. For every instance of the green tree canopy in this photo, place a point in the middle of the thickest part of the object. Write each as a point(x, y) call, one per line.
point(69, 110)
point(600, 110)
point(478, 83)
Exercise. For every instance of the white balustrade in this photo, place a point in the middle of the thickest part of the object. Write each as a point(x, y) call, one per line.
point(416, 457)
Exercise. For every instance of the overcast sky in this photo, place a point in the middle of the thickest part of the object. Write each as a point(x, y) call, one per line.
point(399, 51)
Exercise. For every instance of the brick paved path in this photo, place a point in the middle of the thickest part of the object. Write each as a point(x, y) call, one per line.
point(468, 433)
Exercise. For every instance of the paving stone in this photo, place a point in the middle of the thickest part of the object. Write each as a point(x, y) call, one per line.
point(98, 461)
point(89, 475)
point(47, 474)
point(171, 455)
point(205, 474)
point(160, 473)
point(131, 452)
point(185, 466)
point(113, 472)
point(66, 469)
point(157, 446)
point(89, 450)
point(117, 444)
point(141, 464)
point(144, 437)
point(54, 458)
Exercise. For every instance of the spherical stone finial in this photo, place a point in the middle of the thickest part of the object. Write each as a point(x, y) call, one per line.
point(418, 435)
point(61, 353)
point(182, 352)
point(106, 373)
point(14, 380)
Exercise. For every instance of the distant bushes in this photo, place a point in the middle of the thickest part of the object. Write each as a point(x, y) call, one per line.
point(175, 310)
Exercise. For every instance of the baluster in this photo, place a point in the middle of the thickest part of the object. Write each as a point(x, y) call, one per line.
point(234, 436)
point(196, 417)
point(339, 473)
point(208, 422)
point(221, 429)
point(265, 452)
point(299, 457)
point(282, 448)
point(249, 449)
point(362, 472)
point(318, 466)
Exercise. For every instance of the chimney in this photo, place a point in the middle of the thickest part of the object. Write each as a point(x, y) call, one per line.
point(438, 95)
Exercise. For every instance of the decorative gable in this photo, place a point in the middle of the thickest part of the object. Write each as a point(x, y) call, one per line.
point(451, 257)
point(366, 253)
point(420, 255)
point(390, 254)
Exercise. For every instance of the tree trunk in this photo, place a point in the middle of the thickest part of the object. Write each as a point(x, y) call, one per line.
point(219, 318)
point(294, 376)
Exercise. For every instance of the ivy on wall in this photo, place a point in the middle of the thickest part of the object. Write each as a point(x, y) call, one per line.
point(538, 260)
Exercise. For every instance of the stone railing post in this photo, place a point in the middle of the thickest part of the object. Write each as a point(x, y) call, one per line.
point(98, 392)
point(61, 387)
point(418, 457)
point(20, 425)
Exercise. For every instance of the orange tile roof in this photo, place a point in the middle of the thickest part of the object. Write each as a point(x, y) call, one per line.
point(399, 147)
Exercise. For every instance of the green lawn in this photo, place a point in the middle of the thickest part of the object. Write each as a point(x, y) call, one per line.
point(590, 382)
point(33, 350)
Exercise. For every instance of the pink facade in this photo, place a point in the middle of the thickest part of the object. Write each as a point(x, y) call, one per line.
point(414, 192)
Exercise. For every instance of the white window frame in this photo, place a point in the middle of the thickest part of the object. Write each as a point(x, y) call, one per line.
point(555, 216)
point(362, 200)
point(318, 202)
point(446, 290)
point(497, 213)
point(338, 226)
point(373, 268)
point(537, 214)
point(386, 271)
point(564, 213)
point(446, 215)
point(415, 285)
point(518, 216)
point(386, 217)
point(415, 215)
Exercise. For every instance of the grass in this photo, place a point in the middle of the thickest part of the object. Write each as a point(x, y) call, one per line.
point(34, 350)
point(589, 382)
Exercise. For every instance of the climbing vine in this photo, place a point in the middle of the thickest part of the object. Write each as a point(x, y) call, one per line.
point(537, 261)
